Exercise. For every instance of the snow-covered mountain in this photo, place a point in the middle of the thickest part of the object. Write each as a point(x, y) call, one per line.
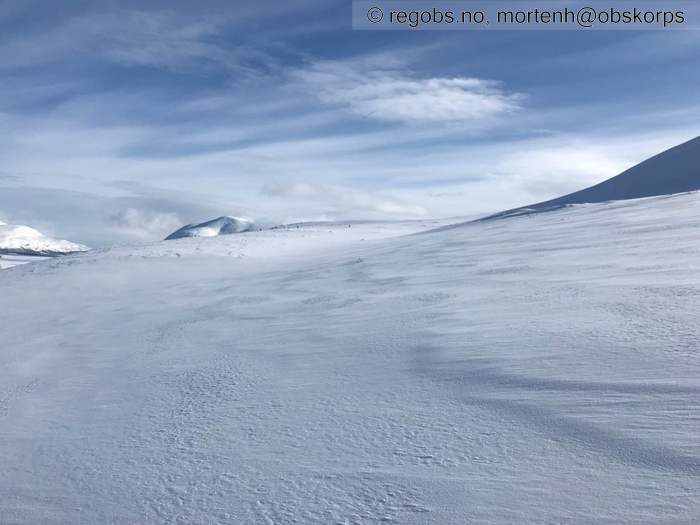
point(675, 170)
point(23, 240)
point(220, 226)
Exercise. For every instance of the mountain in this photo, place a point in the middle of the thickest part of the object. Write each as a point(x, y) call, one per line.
point(23, 240)
point(676, 170)
point(224, 225)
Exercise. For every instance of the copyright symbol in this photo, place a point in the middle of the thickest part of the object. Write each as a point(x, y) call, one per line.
point(375, 15)
point(586, 16)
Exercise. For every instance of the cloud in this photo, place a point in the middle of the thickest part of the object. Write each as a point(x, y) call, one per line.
point(145, 224)
point(128, 215)
point(337, 203)
point(116, 120)
point(163, 39)
point(396, 96)
point(148, 38)
point(563, 168)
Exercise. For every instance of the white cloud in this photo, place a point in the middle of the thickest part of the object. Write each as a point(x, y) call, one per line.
point(563, 168)
point(145, 225)
point(487, 178)
point(334, 202)
point(393, 95)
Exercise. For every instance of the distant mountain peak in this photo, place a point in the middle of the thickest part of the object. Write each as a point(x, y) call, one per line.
point(24, 240)
point(224, 225)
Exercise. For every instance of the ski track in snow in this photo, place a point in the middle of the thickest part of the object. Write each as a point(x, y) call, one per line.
point(539, 369)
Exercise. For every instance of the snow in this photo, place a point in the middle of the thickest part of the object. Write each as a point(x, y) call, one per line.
point(23, 240)
point(10, 260)
point(220, 226)
point(292, 240)
point(538, 369)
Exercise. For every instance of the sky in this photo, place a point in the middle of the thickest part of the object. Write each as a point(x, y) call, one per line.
point(122, 120)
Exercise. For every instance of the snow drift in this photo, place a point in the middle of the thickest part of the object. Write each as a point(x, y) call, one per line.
point(220, 226)
point(676, 170)
point(23, 240)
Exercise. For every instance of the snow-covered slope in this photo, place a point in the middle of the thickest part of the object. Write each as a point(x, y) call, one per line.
point(23, 240)
point(676, 170)
point(293, 240)
point(541, 369)
point(12, 260)
point(220, 226)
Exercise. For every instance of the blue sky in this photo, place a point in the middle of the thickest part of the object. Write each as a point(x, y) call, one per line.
point(124, 120)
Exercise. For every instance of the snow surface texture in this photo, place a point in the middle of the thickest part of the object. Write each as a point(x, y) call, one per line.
point(540, 369)
point(676, 170)
point(23, 240)
point(220, 226)
point(11, 260)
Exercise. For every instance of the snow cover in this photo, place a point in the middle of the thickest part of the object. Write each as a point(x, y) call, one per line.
point(540, 369)
point(11, 260)
point(220, 226)
point(294, 240)
point(23, 240)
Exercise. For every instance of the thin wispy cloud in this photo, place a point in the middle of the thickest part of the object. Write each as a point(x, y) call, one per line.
point(333, 202)
point(397, 96)
point(195, 44)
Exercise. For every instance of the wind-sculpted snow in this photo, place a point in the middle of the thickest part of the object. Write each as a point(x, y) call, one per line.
point(540, 369)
